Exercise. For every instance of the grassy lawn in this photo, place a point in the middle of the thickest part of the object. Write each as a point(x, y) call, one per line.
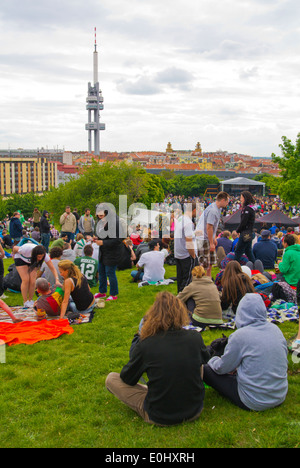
point(52, 393)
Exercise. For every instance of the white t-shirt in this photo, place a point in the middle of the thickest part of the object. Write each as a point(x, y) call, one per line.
point(184, 228)
point(153, 263)
point(24, 253)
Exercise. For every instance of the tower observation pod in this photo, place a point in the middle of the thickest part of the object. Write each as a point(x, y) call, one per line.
point(94, 105)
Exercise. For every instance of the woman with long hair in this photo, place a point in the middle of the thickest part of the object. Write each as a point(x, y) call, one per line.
point(246, 228)
point(28, 258)
point(235, 284)
point(202, 299)
point(77, 294)
point(172, 357)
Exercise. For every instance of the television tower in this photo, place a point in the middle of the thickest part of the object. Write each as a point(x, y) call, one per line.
point(94, 106)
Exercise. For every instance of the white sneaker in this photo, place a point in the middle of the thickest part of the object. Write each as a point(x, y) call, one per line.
point(29, 304)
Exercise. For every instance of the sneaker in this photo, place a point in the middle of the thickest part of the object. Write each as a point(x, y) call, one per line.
point(100, 295)
point(112, 298)
point(28, 304)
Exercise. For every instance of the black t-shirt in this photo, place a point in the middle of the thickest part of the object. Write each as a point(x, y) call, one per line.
point(172, 361)
point(82, 296)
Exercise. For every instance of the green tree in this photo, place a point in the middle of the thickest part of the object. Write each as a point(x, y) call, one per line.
point(289, 164)
point(98, 183)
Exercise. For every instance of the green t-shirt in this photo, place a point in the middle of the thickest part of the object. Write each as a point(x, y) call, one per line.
point(89, 268)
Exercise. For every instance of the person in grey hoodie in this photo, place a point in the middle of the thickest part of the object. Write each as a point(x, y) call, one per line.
point(252, 372)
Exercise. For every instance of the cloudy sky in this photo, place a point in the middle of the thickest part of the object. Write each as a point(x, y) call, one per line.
point(222, 72)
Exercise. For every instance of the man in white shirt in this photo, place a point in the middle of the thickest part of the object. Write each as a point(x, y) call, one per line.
point(185, 247)
point(206, 231)
point(153, 263)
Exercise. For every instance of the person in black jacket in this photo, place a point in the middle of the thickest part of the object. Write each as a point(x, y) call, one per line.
point(15, 227)
point(245, 228)
point(173, 358)
point(109, 238)
point(45, 230)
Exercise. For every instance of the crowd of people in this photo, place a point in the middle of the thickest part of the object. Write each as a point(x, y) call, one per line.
point(61, 267)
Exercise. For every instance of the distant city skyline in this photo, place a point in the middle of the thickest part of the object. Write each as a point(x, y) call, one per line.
point(222, 73)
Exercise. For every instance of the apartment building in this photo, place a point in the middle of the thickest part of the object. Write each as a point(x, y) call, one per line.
point(24, 175)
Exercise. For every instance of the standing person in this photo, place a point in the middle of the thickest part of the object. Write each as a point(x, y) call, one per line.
point(36, 216)
point(173, 358)
point(86, 223)
point(185, 247)
point(206, 231)
point(28, 258)
point(68, 224)
point(76, 289)
point(75, 213)
point(88, 265)
point(252, 372)
point(246, 228)
point(109, 240)
point(45, 230)
point(15, 227)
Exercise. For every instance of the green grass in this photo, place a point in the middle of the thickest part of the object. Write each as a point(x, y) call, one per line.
point(52, 393)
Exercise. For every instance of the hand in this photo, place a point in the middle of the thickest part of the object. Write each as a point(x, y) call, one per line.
point(212, 247)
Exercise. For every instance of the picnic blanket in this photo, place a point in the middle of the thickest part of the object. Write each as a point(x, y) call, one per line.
point(29, 332)
point(279, 312)
point(30, 315)
point(156, 283)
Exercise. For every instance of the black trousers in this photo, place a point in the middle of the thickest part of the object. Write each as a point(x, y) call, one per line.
point(184, 269)
point(225, 384)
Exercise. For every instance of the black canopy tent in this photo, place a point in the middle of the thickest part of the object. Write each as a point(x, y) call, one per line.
point(279, 218)
point(232, 221)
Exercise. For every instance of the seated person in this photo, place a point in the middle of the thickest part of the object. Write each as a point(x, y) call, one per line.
point(35, 234)
point(60, 242)
point(173, 358)
point(153, 263)
point(77, 294)
point(80, 243)
point(225, 242)
point(88, 265)
point(266, 250)
point(68, 252)
point(6, 239)
point(252, 372)
point(206, 303)
point(235, 284)
point(55, 256)
point(50, 299)
point(128, 255)
point(289, 268)
point(54, 234)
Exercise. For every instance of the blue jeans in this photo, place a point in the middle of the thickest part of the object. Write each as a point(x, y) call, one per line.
point(45, 240)
point(244, 247)
point(73, 308)
point(109, 272)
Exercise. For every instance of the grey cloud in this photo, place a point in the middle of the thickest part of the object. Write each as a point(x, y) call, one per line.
point(145, 85)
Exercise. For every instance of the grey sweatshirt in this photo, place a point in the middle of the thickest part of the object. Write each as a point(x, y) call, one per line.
point(258, 351)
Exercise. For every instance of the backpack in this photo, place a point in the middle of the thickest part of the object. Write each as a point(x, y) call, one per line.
point(217, 347)
point(12, 280)
point(283, 290)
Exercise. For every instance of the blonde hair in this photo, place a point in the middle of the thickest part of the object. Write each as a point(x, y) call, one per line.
point(198, 271)
point(73, 270)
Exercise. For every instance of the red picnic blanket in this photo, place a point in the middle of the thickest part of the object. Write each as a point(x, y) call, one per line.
point(31, 332)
